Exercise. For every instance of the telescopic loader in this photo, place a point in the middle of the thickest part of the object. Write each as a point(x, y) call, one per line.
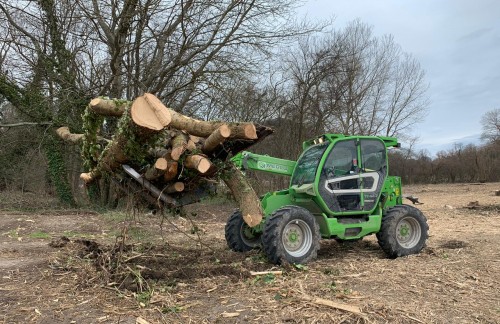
point(340, 188)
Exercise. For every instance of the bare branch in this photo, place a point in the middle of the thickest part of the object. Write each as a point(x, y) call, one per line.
point(25, 124)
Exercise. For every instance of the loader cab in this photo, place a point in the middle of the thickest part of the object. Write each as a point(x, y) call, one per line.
point(346, 174)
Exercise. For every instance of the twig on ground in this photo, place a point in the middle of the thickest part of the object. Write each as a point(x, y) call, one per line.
point(330, 303)
point(259, 273)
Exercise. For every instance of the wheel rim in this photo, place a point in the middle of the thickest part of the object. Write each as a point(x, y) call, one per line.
point(408, 232)
point(248, 237)
point(297, 238)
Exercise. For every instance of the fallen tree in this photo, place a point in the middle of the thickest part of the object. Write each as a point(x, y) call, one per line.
point(173, 156)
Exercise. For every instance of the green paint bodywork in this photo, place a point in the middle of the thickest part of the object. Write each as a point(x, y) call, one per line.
point(345, 225)
point(252, 161)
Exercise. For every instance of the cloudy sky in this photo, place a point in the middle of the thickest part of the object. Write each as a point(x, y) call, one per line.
point(457, 42)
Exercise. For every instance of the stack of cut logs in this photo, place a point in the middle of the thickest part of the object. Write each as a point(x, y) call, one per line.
point(180, 151)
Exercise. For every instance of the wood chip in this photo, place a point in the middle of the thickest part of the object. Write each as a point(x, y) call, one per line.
point(260, 273)
point(140, 320)
point(235, 314)
point(330, 303)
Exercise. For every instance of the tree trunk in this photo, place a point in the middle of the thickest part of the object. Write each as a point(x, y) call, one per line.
point(244, 194)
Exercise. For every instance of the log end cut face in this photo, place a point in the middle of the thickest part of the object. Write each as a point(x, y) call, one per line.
point(150, 116)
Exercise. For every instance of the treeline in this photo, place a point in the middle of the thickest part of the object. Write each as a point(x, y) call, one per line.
point(470, 163)
point(215, 60)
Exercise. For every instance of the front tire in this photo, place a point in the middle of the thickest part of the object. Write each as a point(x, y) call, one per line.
point(291, 234)
point(239, 236)
point(404, 231)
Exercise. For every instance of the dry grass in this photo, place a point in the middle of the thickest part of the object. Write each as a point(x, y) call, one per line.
point(182, 272)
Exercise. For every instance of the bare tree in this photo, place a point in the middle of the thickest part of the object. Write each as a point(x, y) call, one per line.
point(174, 49)
point(306, 72)
point(355, 83)
point(57, 54)
point(490, 122)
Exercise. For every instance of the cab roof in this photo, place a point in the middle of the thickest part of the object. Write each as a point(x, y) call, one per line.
point(388, 141)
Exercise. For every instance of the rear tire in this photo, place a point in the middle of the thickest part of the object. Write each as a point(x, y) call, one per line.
point(404, 231)
point(291, 234)
point(239, 236)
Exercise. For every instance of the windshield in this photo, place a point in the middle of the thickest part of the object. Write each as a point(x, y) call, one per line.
point(305, 171)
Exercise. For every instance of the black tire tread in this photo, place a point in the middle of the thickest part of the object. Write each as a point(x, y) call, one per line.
point(271, 236)
point(388, 242)
point(232, 233)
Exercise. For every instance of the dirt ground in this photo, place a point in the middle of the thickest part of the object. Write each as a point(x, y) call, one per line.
point(135, 268)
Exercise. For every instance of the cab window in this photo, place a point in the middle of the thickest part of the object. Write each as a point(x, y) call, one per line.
point(372, 155)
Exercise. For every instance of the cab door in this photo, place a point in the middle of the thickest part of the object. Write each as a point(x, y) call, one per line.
point(340, 185)
point(353, 175)
point(373, 170)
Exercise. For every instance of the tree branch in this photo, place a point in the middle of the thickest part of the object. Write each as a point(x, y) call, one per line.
point(25, 124)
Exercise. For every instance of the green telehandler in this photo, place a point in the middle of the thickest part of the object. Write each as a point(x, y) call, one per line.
point(340, 188)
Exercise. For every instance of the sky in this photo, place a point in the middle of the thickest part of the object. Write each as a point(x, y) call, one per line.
point(457, 43)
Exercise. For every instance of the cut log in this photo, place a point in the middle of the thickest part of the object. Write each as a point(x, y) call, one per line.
point(195, 139)
point(179, 144)
point(204, 129)
point(159, 152)
point(149, 116)
point(171, 171)
point(216, 138)
point(108, 107)
point(178, 121)
point(190, 146)
point(65, 134)
point(244, 194)
point(243, 130)
point(198, 162)
point(157, 170)
point(175, 187)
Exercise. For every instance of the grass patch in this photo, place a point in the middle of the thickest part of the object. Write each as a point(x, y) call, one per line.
point(115, 216)
point(14, 233)
point(39, 235)
point(135, 233)
point(138, 233)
